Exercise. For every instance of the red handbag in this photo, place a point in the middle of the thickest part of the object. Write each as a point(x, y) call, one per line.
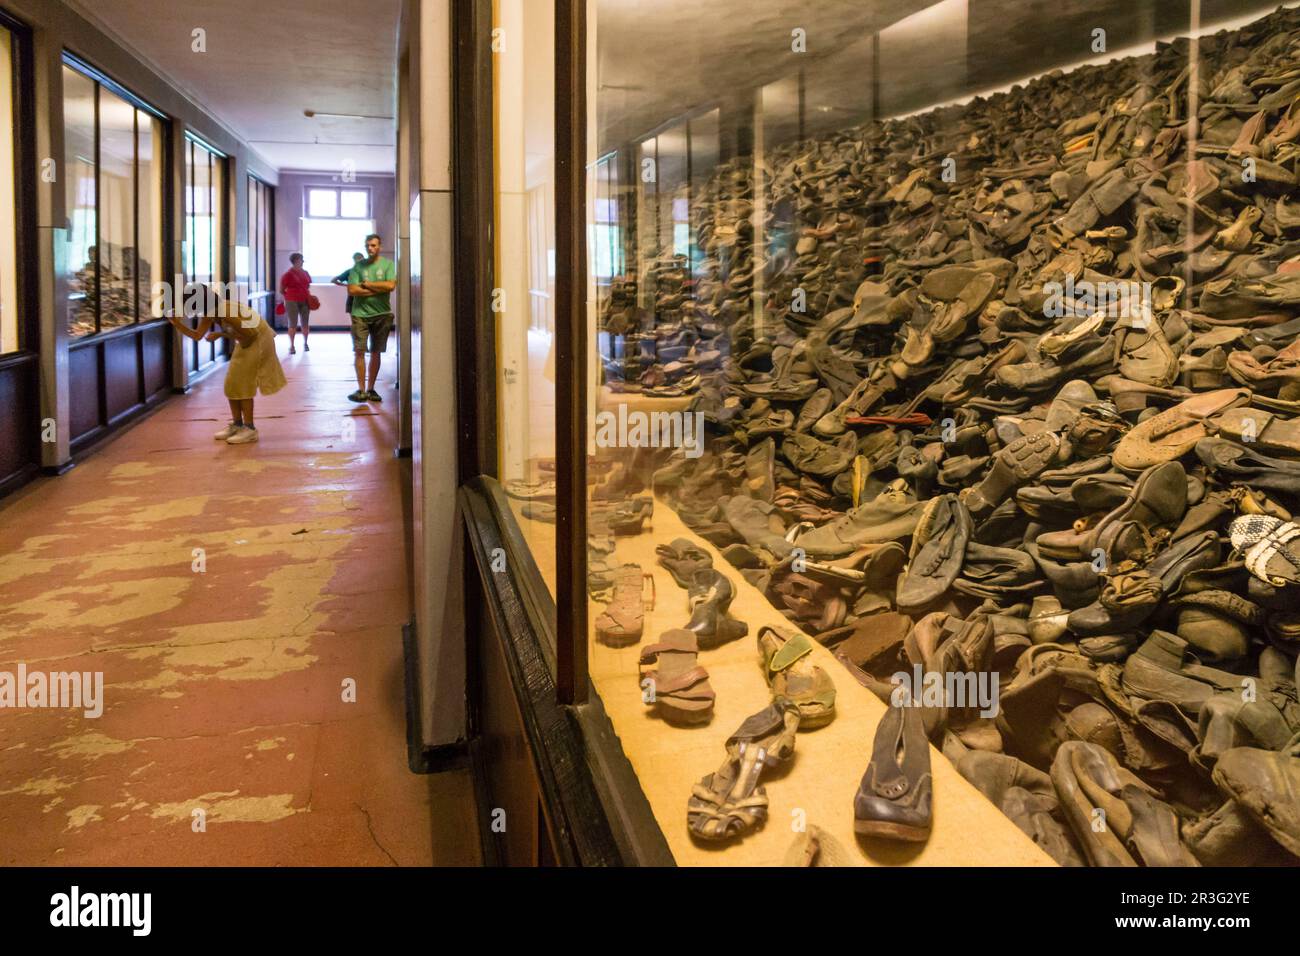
point(279, 309)
point(313, 303)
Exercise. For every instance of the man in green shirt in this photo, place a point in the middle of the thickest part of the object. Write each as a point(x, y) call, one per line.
point(370, 283)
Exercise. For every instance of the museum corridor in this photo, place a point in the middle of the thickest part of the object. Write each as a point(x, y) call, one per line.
point(244, 605)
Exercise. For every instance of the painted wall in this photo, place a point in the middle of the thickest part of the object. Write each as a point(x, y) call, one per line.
point(289, 210)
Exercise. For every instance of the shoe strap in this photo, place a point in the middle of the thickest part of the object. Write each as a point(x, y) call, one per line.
point(796, 646)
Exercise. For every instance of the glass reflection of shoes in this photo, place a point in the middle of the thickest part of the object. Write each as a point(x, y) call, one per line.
point(358, 396)
point(373, 396)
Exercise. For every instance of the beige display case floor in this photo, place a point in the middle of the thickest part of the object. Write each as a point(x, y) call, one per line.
point(819, 785)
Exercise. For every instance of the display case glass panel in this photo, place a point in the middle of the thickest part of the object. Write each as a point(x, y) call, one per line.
point(79, 165)
point(117, 211)
point(522, 301)
point(929, 344)
point(9, 319)
point(150, 157)
point(114, 194)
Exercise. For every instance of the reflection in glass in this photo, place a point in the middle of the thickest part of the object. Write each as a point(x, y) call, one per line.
point(525, 269)
point(82, 253)
point(116, 259)
point(9, 339)
point(149, 198)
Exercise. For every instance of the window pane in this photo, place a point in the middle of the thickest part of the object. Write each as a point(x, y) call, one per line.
point(328, 244)
point(322, 202)
point(354, 203)
point(216, 225)
point(116, 210)
point(200, 217)
point(79, 177)
point(524, 142)
point(149, 146)
point(8, 232)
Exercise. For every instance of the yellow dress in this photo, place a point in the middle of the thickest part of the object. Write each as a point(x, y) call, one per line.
point(253, 368)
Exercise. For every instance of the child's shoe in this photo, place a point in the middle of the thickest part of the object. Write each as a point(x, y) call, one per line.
point(227, 431)
point(246, 435)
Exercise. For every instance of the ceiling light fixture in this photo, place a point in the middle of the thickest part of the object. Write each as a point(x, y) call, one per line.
point(312, 114)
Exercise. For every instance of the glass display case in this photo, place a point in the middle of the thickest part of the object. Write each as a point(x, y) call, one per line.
point(928, 370)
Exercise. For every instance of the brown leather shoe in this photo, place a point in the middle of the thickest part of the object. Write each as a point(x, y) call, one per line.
point(893, 799)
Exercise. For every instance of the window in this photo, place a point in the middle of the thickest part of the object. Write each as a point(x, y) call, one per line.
point(9, 337)
point(113, 174)
point(328, 203)
point(334, 226)
point(541, 264)
point(606, 239)
point(261, 252)
point(204, 228)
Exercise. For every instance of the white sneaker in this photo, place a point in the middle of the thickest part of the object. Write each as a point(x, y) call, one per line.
point(245, 436)
point(227, 431)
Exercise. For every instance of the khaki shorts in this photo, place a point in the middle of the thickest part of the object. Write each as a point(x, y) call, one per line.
point(375, 328)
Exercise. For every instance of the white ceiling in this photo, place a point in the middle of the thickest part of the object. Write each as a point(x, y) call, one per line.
point(268, 62)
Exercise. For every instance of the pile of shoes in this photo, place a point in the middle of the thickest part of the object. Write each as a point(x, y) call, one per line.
point(1025, 403)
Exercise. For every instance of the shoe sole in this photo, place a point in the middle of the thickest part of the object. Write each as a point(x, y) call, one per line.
point(891, 831)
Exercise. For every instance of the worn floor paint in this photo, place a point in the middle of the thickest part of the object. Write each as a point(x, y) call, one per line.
point(227, 594)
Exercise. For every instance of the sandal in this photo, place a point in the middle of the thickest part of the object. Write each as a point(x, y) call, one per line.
point(791, 675)
point(673, 680)
point(1270, 547)
point(621, 622)
point(730, 802)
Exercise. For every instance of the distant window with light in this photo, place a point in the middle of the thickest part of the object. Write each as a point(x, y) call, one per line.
point(335, 223)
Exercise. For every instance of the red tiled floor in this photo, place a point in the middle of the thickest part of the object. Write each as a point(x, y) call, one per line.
point(223, 689)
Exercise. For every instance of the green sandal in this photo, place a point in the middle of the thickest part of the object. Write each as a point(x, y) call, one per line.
point(792, 675)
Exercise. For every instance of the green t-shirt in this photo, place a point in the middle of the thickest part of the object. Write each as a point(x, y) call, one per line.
point(381, 270)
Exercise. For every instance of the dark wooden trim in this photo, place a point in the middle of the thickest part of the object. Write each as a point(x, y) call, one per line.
point(577, 823)
point(21, 357)
point(92, 441)
point(25, 186)
point(623, 805)
point(571, 349)
point(84, 66)
point(474, 211)
point(488, 845)
point(122, 331)
point(13, 482)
